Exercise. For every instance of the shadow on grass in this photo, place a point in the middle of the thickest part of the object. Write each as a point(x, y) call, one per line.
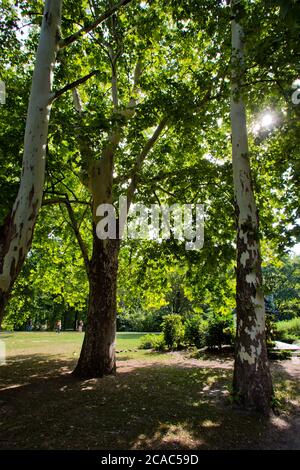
point(146, 406)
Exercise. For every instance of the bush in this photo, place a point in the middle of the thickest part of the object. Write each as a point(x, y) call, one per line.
point(220, 330)
point(153, 341)
point(173, 331)
point(139, 320)
point(195, 331)
point(288, 330)
point(279, 355)
point(7, 326)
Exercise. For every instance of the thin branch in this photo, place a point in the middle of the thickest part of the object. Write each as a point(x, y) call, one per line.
point(130, 108)
point(80, 240)
point(115, 136)
point(261, 80)
point(71, 86)
point(92, 8)
point(166, 191)
point(65, 200)
point(86, 29)
point(58, 200)
point(114, 77)
point(140, 159)
point(137, 74)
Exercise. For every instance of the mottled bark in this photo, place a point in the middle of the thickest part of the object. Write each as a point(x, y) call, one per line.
point(17, 232)
point(252, 383)
point(97, 357)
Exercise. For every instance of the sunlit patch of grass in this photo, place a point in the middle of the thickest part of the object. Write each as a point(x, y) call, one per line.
point(169, 436)
point(286, 394)
point(66, 344)
point(208, 423)
point(288, 330)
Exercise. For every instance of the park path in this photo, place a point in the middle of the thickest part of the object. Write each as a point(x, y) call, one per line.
point(279, 345)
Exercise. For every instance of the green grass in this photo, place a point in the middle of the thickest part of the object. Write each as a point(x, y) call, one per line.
point(288, 330)
point(50, 342)
point(68, 344)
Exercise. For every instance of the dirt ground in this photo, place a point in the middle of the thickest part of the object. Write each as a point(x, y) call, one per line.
point(169, 401)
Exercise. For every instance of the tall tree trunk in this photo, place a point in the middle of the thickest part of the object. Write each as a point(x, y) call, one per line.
point(17, 231)
point(252, 381)
point(97, 357)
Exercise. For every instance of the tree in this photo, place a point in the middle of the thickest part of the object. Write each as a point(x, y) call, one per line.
point(252, 382)
point(282, 285)
point(167, 101)
point(97, 356)
point(52, 284)
point(17, 230)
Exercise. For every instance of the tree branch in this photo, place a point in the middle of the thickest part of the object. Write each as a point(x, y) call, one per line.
point(129, 110)
point(140, 160)
point(80, 240)
point(86, 29)
point(114, 77)
point(71, 86)
point(58, 200)
point(81, 243)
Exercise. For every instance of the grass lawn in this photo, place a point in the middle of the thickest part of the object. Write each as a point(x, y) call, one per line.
point(64, 343)
point(156, 400)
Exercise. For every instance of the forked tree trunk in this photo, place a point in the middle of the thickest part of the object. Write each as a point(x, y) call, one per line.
point(17, 231)
point(98, 355)
point(252, 381)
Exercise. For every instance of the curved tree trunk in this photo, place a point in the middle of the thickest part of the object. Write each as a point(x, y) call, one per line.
point(17, 231)
point(97, 357)
point(252, 381)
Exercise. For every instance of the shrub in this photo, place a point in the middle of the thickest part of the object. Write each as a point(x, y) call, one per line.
point(153, 341)
point(288, 330)
point(139, 320)
point(279, 355)
point(173, 331)
point(220, 330)
point(195, 331)
point(7, 326)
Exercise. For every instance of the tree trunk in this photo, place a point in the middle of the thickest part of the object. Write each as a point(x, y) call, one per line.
point(252, 383)
point(17, 231)
point(4, 297)
point(97, 357)
point(75, 323)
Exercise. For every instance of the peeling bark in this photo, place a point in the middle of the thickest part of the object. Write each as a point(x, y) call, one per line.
point(17, 231)
point(252, 383)
point(98, 357)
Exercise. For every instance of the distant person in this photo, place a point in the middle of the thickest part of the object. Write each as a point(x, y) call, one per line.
point(58, 326)
point(80, 326)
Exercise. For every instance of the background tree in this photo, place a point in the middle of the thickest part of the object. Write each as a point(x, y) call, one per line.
point(17, 229)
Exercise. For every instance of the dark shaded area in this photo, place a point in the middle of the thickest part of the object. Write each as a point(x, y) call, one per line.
point(153, 406)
